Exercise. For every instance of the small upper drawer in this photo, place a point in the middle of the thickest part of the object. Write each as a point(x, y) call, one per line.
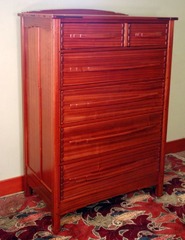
point(147, 34)
point(88, 35)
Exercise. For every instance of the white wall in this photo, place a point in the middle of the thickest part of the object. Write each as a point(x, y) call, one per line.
point(11, 163)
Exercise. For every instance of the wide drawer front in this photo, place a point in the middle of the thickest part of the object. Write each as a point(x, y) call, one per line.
point(138, 174)
point(112, 60)
point(153, 71)
point(147, 35)
point(126, 158)
point(90, 104)
point(88, 35)
point(90, 139)
point(97, 67)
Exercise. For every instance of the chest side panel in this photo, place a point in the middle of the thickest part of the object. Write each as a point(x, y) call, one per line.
point(40, 85)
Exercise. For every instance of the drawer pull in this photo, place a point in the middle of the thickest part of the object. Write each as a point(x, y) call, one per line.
point(148, 35)
point(96, 36)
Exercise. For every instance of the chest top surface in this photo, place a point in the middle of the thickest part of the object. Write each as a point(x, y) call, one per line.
point(74, 15)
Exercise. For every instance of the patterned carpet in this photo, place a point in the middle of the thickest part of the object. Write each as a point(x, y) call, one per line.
point(137, 215)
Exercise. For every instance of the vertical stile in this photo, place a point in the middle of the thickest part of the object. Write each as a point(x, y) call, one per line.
point(61, 107)
point(126, 35)
point(122, 35)
point(56, 125)
point(40, 96)
point(27, 189)
point(159, 188)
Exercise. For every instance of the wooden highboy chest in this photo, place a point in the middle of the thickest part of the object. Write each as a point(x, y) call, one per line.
point(95, 100)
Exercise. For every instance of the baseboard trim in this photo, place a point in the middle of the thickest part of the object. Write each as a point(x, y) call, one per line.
point(175, 146)
point(10, 186)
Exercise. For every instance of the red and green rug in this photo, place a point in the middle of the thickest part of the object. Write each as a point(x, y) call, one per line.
point(136, 215)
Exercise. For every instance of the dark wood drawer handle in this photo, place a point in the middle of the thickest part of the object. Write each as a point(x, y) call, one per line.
point(97, 36)
point(148, 35)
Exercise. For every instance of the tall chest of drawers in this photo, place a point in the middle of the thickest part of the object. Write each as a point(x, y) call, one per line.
point(95, 101)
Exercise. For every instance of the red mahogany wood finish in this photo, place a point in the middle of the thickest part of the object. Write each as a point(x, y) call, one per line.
point(95, 93)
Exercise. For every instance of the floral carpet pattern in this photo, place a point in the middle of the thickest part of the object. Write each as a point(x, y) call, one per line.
point(138, 215)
